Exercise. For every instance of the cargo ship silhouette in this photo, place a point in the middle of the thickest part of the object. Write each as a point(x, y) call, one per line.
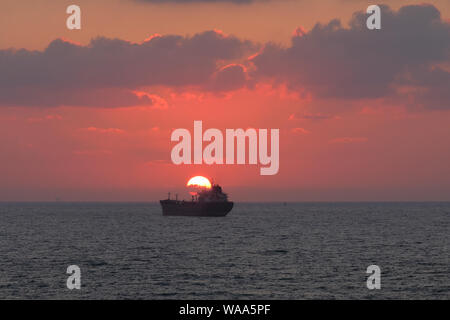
point(212, 202)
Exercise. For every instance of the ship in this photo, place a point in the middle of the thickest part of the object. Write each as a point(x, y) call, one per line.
point(212, 202)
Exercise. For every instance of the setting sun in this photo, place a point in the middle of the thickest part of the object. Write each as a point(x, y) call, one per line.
point(199, 181)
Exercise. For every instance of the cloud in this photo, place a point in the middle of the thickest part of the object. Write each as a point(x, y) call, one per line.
point(230, 77)
point(404, 63)
point(107, 72)
point(311, 116)
point(59, 95)
point(332, 61)
point(300, 131)
point(46, 118)
point(427, 87)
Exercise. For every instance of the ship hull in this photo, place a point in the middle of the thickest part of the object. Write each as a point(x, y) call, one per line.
point(195, 209)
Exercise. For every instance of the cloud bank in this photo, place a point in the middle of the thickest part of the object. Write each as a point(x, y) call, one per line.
point(406, 62)
point(354, 63)
point(107, 71)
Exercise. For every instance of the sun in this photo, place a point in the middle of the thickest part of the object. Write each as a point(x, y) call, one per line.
point(199, 181)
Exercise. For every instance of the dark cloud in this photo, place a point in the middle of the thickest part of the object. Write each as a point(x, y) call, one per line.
point(70, 74)
point(406, 61)
point(351, 63)
point(431, 84)
point(230, 77)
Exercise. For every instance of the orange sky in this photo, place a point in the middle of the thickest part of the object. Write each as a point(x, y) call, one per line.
point(332, 148)
point(33, 24)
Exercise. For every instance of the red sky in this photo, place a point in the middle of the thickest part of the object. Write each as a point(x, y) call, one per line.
point(363, 116)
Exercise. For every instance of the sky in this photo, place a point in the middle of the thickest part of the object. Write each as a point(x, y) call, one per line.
point(87, 115)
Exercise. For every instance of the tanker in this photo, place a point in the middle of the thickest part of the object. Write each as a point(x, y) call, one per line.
point(212, 202)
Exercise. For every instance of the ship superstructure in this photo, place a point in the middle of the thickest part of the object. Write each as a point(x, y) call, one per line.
point(211, 202)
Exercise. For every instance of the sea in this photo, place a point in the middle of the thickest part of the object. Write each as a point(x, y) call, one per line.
point(259, 251)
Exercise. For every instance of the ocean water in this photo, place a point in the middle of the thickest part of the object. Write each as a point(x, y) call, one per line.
point(259, 251)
